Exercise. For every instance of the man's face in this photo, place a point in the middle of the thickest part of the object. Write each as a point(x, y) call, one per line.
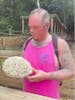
point(37, 30)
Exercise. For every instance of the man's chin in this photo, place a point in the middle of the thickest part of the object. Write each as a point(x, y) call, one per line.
point(35, 38)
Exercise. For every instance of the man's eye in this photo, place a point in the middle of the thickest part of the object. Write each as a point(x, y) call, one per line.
point(34, 27)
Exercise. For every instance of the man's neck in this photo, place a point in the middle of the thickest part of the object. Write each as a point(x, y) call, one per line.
point(43, 42)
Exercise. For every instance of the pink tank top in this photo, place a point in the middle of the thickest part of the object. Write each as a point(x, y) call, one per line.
point(42, 59)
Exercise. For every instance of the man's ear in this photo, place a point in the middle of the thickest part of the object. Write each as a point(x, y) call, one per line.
point(48, 25)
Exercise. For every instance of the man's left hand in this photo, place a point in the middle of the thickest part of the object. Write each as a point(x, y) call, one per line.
point(38, 76)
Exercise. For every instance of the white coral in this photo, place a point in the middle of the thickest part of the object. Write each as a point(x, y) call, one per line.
point(17, 67)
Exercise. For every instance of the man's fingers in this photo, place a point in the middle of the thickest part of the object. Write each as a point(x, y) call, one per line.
point(31, 78)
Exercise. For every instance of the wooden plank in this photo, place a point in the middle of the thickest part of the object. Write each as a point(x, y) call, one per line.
point(52, 25)
point(13, 94)
point(8, 53)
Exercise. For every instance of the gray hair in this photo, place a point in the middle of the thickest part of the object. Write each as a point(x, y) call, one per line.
point(45, 15)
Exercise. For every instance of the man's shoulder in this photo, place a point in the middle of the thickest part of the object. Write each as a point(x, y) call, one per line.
point(61, 43)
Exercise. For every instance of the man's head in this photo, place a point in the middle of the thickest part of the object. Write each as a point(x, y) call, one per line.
point(39, 23)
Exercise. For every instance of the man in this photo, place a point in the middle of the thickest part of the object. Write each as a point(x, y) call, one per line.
point(40, 53)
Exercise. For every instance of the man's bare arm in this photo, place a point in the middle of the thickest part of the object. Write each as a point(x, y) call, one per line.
point(67, 64)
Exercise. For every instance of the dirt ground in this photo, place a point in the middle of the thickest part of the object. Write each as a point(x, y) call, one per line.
point(67, 90)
